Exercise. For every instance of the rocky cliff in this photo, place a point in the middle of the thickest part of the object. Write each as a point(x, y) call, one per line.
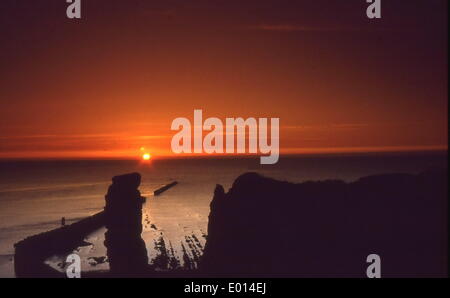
point(263, 227)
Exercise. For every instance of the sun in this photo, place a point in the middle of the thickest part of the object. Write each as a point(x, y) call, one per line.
point(146, 156)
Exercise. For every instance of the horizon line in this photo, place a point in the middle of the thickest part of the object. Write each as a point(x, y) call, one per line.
point(310, 153)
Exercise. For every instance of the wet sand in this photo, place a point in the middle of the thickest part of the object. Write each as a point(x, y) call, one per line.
point(175, 247)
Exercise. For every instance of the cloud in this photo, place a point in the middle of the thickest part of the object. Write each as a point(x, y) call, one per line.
point(361, 149)
point(342, 126)
point(302, 28)
point(298, 28)
point(79, 142)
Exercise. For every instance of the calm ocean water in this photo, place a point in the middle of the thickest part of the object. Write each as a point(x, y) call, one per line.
point(34, 195)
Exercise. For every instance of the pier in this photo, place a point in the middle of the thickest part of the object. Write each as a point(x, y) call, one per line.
point(31, 252)
point(164, 188)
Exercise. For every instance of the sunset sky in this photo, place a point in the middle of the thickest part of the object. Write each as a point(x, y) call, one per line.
point(112, 82)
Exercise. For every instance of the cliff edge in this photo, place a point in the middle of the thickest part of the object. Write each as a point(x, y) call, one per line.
point(268, 228)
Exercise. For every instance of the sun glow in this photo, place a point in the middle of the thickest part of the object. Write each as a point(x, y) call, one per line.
point(146, 156)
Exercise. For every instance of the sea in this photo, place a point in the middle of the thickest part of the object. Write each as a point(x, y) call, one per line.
point(36, 194)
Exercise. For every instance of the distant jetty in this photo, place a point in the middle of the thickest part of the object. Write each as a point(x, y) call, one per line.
point(31, 252)
point(164, 188)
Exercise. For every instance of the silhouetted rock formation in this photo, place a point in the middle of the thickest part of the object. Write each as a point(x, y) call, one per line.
point(126, 250)
point(264, 227)
point(31, 252)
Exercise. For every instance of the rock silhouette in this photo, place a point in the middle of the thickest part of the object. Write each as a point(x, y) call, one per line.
point(31, 252)
point(126, 249)
point(268, 228)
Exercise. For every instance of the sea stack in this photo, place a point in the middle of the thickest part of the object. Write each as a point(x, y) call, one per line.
point(126, 250)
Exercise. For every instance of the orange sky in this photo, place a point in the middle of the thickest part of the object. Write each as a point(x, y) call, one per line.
point(112, 82)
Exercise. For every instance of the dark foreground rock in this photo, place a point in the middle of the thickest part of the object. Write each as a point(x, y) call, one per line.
point(264, 227)
point(126, 249)
point(31, 252)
